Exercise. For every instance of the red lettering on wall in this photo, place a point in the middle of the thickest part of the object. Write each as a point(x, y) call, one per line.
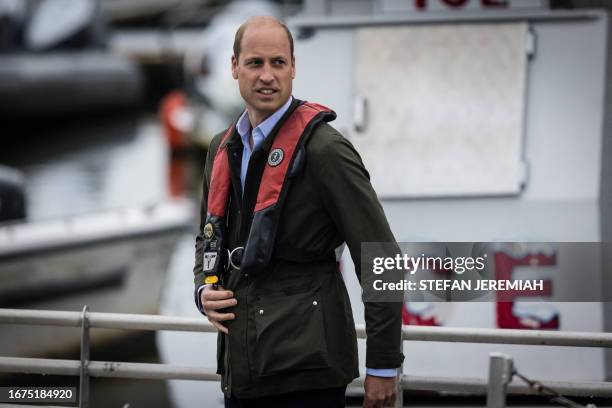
point(504, 267)
point(418, 319)
point(495, 3)
point(422, 4)
point(454, 3)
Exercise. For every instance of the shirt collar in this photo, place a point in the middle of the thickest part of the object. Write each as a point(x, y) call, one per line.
point(243, 126)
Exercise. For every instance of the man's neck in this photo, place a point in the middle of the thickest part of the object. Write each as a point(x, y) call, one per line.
point(256, 120)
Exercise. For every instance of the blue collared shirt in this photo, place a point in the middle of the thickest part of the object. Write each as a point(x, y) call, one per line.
point(243, 126)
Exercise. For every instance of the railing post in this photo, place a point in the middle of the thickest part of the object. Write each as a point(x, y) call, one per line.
point(83, 374)
point(500, 375)
point(399, 394)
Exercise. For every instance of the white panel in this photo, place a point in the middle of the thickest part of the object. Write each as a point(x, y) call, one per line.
point(324, 63)
point(565, 119)
point(445, 108)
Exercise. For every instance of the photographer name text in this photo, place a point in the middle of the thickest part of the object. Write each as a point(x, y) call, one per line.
point(460, 285)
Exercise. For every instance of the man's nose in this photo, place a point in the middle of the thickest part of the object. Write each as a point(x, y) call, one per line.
point(266, 74)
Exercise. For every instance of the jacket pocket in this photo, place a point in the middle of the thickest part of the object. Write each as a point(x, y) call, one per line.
point(290, 334)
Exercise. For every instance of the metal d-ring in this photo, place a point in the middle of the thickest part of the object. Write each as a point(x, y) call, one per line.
point(231, 254)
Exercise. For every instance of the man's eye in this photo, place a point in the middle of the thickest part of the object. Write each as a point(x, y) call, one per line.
point(279, 62)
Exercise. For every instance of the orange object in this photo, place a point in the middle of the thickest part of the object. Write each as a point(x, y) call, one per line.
point(170, 106)
point(170, 109)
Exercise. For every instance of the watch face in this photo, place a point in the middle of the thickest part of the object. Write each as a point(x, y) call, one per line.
point(208, 231)
point(276, 157)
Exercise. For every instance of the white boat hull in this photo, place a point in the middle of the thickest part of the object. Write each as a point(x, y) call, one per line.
point(108, 273)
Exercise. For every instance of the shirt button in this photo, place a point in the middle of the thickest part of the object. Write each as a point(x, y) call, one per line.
point(261, 311)
point(314, 303)
point(246, 275)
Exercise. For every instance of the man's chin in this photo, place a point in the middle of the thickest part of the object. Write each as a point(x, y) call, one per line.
point(267, 100)
point(268, 106)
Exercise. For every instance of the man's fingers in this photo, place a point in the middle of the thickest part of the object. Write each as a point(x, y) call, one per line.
point(389, 398)
point(218, 299)
point(218, 304)
point(372, 403)
point(211, 294)
point(379, 392)
point(219, 326)
point(220, 317)
point(378, 402)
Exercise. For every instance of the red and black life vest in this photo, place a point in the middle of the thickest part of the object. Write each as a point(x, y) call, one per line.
point(286, 158)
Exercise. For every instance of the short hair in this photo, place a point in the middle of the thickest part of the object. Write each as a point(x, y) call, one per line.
point(242, 29)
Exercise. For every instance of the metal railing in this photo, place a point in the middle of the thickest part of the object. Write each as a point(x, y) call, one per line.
point(496, 387)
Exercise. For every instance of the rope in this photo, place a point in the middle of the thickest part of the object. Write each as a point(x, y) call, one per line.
point(549, 393)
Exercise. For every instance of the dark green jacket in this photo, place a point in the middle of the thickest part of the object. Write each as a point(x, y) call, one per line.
point(294, 326)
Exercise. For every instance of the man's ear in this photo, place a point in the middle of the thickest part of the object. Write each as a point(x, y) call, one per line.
point(234, 67)
point(292, 67)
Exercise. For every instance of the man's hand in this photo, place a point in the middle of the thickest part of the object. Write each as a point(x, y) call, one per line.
point(379, 392)
point(213, 300)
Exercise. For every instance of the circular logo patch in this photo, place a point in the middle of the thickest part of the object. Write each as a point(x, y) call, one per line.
point(276, 157)
point(208, 231)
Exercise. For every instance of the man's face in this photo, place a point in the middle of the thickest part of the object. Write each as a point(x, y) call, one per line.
point(264, 70)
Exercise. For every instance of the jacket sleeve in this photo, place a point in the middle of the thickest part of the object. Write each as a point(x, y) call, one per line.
point(352, 203)
point(198, 273)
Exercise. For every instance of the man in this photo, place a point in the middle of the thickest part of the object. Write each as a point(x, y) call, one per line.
point(282, 190)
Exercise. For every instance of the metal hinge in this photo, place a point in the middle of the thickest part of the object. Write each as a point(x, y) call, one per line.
point(523, 174)
point(530, 43)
